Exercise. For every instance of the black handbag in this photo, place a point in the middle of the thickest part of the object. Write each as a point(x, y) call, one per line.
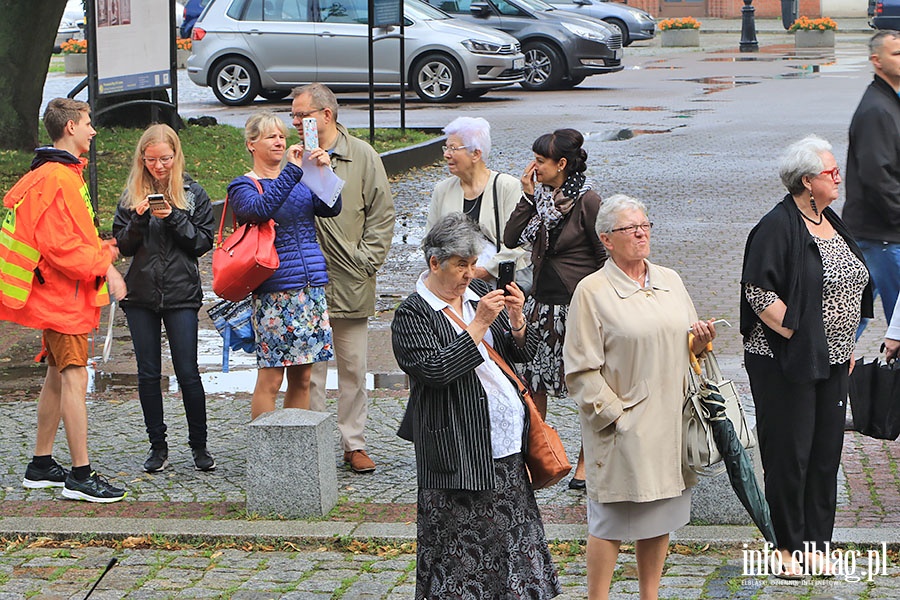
point(875, 399)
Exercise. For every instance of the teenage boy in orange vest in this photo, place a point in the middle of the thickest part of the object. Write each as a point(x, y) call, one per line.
point(55, 272)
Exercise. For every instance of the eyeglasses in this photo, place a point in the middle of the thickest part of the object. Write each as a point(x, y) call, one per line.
point(633, 229)
point(452, 149)
point(303, 115)
point(163, 160)
point(835, 174)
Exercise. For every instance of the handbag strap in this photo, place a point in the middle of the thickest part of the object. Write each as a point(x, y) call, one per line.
point(495, 356)
point(233, 218)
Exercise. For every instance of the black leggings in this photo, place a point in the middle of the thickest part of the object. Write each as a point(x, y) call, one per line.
point(801, 435)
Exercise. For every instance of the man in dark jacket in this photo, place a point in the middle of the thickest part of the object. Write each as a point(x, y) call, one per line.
point(872, 210)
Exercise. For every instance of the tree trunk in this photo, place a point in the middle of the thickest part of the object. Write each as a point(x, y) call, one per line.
point(27, 35)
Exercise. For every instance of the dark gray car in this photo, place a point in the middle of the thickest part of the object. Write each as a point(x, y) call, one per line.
point(560, 48)
point(633, 23)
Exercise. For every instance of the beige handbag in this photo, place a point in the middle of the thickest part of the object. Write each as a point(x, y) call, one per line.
point(700, 453)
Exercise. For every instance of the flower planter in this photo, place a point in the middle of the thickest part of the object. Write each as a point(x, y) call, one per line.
point(181, 58)
point(806, 38)
point(679, 38)
point(76, 63)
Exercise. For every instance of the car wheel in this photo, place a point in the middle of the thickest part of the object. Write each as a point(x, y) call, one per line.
point(543, 67)
point(571, 82)
point(436, 78)
point(235, 81)
point(623, 29)
point(274, 95)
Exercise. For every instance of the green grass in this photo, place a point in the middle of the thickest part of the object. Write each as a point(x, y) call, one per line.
point(213, 156)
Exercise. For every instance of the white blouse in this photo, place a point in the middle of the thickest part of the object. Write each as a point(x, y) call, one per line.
point(505, 408)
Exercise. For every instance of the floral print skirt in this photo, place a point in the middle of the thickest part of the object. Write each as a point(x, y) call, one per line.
point(546, 372)
point(292, 328)
point(487, 545)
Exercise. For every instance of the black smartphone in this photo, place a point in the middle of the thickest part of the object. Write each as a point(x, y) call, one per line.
point(506, 275)
point(157, 202)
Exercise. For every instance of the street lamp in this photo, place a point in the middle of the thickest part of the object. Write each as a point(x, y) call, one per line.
point(748, 28)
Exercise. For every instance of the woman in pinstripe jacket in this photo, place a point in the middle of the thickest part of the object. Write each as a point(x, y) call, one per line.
point(480, 534)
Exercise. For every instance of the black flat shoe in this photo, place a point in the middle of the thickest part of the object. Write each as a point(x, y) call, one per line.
point(576, 484)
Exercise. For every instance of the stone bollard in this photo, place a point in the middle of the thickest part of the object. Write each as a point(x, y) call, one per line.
point(291, 468)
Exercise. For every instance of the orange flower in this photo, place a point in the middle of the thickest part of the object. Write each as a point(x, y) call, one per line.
point(74, 47)
point(807, 24)
point(679, 23)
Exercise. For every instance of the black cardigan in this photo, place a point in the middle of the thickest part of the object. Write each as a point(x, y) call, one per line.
point(781, 256)
point(447, 414)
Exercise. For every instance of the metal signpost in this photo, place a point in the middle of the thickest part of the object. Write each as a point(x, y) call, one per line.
point(386, 14)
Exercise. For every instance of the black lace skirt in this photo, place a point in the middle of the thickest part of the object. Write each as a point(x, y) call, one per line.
point(486, 545)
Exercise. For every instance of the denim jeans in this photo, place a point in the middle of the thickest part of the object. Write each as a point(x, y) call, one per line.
point(181, 331)
point(883, 260)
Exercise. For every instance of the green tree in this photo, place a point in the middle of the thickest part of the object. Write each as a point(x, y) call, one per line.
point(27, 34)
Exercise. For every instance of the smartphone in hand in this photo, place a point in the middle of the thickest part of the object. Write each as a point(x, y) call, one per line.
point(157, 202)
point(506, 275)
point(310, 134)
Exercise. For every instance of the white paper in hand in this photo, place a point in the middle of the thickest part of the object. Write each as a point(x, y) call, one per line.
point(322, 181)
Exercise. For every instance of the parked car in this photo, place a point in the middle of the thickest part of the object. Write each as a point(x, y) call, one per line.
point(632, 23)
point(885, 14)
point(245, 48)
point(561, 49)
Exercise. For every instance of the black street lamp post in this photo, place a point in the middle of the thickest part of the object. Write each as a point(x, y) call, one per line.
point(748, 28)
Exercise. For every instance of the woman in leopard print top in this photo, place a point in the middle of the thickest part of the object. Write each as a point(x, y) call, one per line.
point(804, 287)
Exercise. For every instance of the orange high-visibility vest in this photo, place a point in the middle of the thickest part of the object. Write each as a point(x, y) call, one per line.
point(52, 262)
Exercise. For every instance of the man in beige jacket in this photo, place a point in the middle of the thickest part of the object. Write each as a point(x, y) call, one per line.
point(355, 245)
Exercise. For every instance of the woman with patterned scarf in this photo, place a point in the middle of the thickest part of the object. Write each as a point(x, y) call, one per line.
point(555, 218)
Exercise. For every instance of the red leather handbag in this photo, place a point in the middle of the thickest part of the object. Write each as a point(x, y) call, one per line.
point(245, 259)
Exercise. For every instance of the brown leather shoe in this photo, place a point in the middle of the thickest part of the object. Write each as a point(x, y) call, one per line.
point(359, 461)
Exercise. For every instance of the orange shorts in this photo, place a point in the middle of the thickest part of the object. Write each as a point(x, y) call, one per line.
point(65, 350)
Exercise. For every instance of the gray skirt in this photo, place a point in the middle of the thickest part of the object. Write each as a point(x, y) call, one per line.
point(638, 520)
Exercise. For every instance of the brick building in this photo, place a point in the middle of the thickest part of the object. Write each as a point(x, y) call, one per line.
point(765, 9)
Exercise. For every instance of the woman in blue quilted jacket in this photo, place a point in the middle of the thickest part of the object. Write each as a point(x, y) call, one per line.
point(289, 311)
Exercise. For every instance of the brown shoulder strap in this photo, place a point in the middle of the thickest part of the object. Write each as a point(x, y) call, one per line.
point(490, 350)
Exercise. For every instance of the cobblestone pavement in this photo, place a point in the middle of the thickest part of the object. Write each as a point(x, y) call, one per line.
point(695, 134)
point(41, 572)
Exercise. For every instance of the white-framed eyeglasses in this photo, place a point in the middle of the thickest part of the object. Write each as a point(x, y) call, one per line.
point(452, 149)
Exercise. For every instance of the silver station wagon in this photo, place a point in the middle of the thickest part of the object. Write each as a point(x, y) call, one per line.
point(248, 48)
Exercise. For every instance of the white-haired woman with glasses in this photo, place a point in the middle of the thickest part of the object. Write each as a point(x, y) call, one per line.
point(485, 196)
point(163, 280)
point(626, 354)
point(804, 288)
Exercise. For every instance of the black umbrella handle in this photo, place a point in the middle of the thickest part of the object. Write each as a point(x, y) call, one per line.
point(112, 562)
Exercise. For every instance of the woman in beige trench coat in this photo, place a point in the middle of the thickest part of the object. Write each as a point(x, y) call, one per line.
point(626, 357)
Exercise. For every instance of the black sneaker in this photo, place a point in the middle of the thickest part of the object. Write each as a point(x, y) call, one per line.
point(53, 476)
point(203, 460)
point(92, 489)
point(157, 460)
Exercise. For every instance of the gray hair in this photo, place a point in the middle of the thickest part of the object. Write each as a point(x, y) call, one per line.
point(474, 132)
point(876, 42)
point(610, 209)
point(801, 159)
point(320, 96)
point(453, 235)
